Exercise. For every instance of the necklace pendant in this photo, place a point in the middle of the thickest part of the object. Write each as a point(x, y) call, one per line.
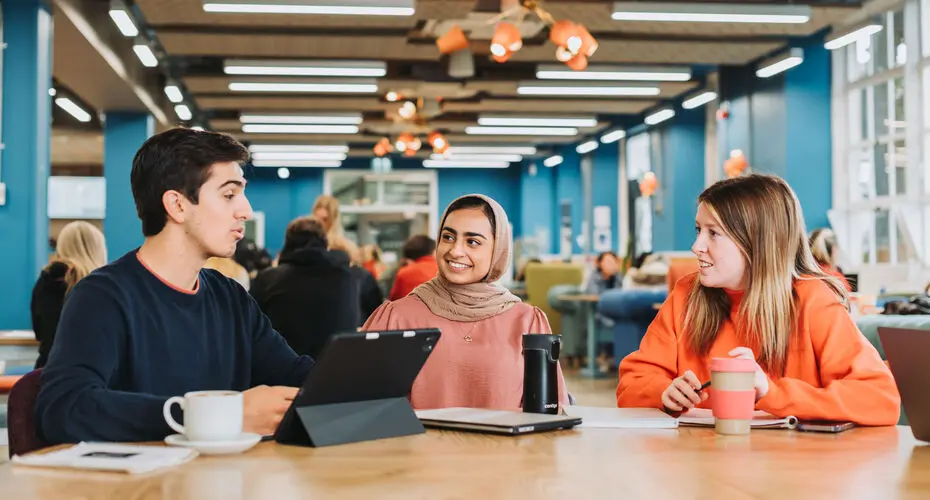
point(468, 338)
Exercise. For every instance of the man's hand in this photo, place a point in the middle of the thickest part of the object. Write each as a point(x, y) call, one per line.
point(263, 408)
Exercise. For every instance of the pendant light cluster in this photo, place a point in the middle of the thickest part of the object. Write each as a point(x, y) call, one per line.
point(574, 43)
point(409, 144)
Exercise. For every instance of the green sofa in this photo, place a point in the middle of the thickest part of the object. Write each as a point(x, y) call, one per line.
point(869, 325)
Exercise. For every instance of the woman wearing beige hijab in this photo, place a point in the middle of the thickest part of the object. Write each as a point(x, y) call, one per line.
point(478, 362)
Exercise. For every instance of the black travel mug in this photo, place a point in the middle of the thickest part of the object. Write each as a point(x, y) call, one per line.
point(541, 373)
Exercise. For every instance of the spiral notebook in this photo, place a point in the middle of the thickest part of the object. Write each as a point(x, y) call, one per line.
point(703, 417)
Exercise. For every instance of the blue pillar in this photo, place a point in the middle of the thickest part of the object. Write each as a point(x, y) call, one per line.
point(809, 163)
point(124, 133)
point(681, 180)
point(24, 161)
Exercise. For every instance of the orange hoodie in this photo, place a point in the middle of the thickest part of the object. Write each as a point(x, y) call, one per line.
point(832, 372)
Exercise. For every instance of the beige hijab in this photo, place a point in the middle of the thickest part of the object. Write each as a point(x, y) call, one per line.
point(475, 301)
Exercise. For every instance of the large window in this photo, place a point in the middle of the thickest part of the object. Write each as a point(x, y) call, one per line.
point(882, 200)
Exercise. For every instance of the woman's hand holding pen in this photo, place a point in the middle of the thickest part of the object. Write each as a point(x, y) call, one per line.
point(762, 380)
point(683, 393)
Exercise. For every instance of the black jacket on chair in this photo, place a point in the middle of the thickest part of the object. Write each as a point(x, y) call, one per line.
point(310, 296)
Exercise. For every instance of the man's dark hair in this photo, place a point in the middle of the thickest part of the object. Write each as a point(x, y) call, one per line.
point(179, 159)
point(474, 202)
point(304, 232)
point(417, 246)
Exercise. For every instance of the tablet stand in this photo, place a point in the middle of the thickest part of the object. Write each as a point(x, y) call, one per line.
point(341, 423)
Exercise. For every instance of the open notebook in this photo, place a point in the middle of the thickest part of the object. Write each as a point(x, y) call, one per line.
point(703, 417)
point(622, 418)
point(132, 459)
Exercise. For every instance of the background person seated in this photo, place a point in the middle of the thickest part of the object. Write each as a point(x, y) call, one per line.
point(826, 253)
point(231, 269)
point(80, 248)
point(369, 294)
point(312, 294)
point(630, 307)
point(421, 266)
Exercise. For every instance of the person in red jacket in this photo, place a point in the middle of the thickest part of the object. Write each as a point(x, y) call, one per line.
point(421, 267)
point(760, 295)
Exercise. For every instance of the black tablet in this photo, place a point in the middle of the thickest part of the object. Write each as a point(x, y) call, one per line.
point(358, 390)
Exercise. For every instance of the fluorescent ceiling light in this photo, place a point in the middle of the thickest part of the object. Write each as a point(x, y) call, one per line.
point(515, 150)
point(781, 63)
point(586, 147)
point(174, 93)
point(590, 89)
point(464, 164)
point(541, 121)
point(297, 148)
point(294, 156)
point(322, 7)
point(305, 68)
point(660, 116)
point(611, 137)
point(73, 109)
point(145, 55)
point(466, 158)
point(699, 100)
point(331, 87)
point(553, 161)
point(266, 128)
point(617, 73)
point(561, 131)
point(123, 22)
point(296, 163)
point(334, 119)
point(723, 12)
point(183, 112)
point(834, 43)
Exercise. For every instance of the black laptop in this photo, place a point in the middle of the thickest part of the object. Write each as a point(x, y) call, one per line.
point(358, 390)
point(906, 351)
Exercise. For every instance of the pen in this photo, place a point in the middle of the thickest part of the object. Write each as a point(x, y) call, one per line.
point(704, 386)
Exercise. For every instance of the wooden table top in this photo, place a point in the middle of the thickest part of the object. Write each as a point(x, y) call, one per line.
point(17, 337)
point(581, 298)
point(584, 463)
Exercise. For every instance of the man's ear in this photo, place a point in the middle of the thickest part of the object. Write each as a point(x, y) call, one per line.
point(177, 206)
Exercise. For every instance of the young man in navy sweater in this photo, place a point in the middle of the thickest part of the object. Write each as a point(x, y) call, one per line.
point(154, 324)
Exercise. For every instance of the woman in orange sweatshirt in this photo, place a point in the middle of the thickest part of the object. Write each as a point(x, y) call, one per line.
point(759, 295)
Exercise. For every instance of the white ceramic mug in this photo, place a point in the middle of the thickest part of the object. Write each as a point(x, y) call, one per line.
point(208, 415)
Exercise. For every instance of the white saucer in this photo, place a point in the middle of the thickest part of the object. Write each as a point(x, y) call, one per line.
point(245, 441)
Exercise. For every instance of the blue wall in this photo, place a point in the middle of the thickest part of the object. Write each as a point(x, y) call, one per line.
point(27, 116)
point(681, 179)
point(124, 133)
point(537, 204)
point(605, 185)
point(501, 184)
point(782, 124)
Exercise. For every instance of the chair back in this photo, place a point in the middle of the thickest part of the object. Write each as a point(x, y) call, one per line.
point(21, 414)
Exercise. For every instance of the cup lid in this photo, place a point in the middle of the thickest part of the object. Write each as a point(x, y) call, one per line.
point(732, 365)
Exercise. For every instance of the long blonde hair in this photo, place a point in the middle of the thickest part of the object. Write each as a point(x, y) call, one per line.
point(823, 242)
point(82, 248)
point(331, 204)
point(762, 216)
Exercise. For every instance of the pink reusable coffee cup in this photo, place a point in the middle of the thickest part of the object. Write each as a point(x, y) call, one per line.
point(733, 394)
